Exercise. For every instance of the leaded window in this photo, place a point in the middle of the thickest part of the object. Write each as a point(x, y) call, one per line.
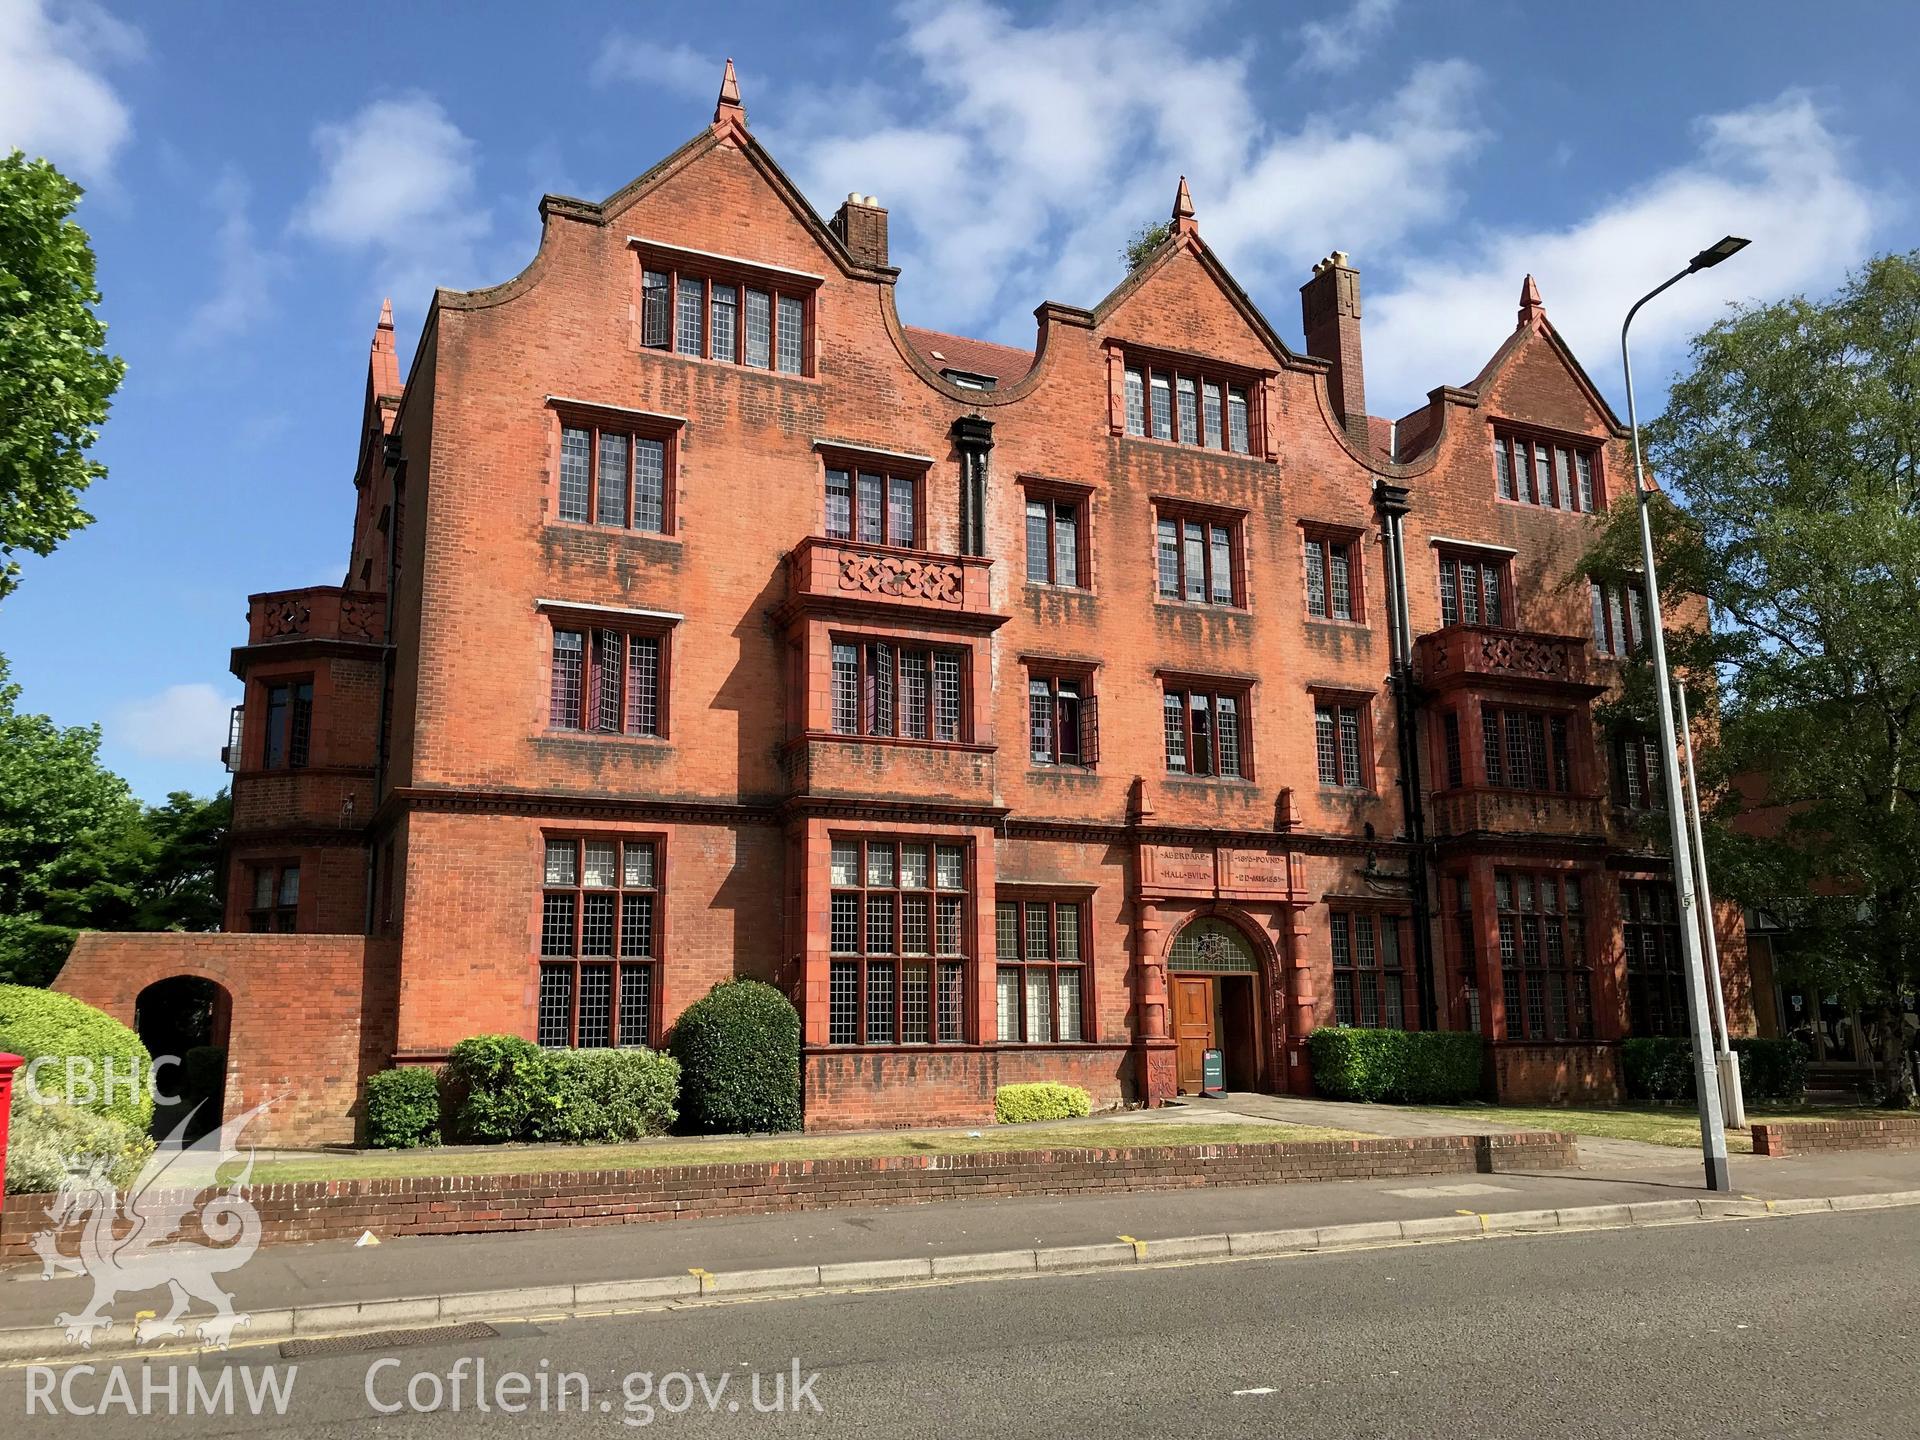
point(1369, 982)
point(897, 935)
point(613, 478)
point(882, 689)
point(1205, 732)
point(606, 682)
point(1545, 976)
point(1041, 980)
point(598, 943)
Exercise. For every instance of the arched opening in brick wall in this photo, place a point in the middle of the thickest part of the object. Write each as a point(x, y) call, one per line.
point(185, 1021)
point(1218, 983)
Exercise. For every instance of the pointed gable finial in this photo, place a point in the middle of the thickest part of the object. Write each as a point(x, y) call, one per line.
point(1183, 221)
point(729, 108)
point(383, 359)
point(1531, 307)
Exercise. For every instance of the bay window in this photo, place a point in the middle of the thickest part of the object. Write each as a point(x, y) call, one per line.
point(903, 692)
point(275, 897)
point(289, 724)
point(1656, 973)
point(1526, 749)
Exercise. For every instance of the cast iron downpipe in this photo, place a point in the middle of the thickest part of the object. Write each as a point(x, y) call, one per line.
point(1390, 502)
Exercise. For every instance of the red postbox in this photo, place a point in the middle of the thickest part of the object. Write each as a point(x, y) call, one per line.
point(8, 1064)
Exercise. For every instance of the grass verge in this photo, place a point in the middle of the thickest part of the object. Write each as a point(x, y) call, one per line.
point(647, 1154)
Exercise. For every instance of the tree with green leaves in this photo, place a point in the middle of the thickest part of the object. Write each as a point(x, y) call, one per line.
point(1789, 454)
point(1147, 239)
point(78, 852)
point(56, 378)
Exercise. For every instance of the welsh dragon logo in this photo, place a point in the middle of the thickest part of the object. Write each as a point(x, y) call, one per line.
point(132, 1242)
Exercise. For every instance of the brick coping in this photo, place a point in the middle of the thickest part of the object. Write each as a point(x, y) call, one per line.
point(309, 1210)
point(1894, 1130)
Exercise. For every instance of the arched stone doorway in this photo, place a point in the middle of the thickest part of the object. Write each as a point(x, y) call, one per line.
point(186, 1019)
point(1218, 994)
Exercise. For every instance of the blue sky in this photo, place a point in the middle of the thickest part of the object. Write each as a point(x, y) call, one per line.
point(260, 176)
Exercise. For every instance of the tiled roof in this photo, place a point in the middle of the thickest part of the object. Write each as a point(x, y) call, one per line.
point(976, 357)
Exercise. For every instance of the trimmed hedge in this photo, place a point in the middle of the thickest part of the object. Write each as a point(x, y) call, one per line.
point(35, 1022)
point(602, 1096)
point(403, 1108)
point(1040, 1100)
point(500, 1087)
point(739, 1052)
point(1660, 1069)
point(1400, 1067)
point(1772, 1070)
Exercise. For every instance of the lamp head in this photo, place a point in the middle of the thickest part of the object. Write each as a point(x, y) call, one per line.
point(1716, 252)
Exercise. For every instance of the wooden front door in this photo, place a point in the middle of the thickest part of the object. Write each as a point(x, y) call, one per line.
point(1192, 1028)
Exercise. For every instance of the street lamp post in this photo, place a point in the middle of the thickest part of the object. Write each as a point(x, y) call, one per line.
point(1732, 1099)
point(1713, 1134)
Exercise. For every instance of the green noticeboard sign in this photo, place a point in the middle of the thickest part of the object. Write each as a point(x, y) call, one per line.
point(1213, 1070)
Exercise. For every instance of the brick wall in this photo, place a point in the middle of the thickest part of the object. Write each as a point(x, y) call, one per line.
point(478, 1204)
point(1557, 1074)
point(311, 1017)
point(849, 1089)
point(1802, 1137)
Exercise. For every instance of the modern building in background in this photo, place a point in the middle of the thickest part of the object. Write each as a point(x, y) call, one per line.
point(1058, 714)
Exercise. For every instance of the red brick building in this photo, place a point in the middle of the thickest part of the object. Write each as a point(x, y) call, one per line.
point(1023, 715)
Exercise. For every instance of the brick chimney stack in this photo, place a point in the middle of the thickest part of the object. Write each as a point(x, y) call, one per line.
point(861, 224)
point(1330, 312)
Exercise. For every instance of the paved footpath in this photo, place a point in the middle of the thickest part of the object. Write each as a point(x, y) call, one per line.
point(338, 1273)
point(1596, 1152)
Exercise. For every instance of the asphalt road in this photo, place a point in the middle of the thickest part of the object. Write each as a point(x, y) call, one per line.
point(1782, 1328)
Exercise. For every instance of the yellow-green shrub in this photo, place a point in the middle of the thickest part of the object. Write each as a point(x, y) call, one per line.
point(1040, 1100)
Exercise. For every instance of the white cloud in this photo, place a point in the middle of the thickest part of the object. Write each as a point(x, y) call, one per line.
point(182, 722)
point(1024, 176)
point(245, 270)
point(678, 69)
point(1340, 44)
point(53, 99)
point(398, 182)
point(1775, 173)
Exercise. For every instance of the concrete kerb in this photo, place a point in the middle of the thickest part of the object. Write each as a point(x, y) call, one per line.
point(697, 1287)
